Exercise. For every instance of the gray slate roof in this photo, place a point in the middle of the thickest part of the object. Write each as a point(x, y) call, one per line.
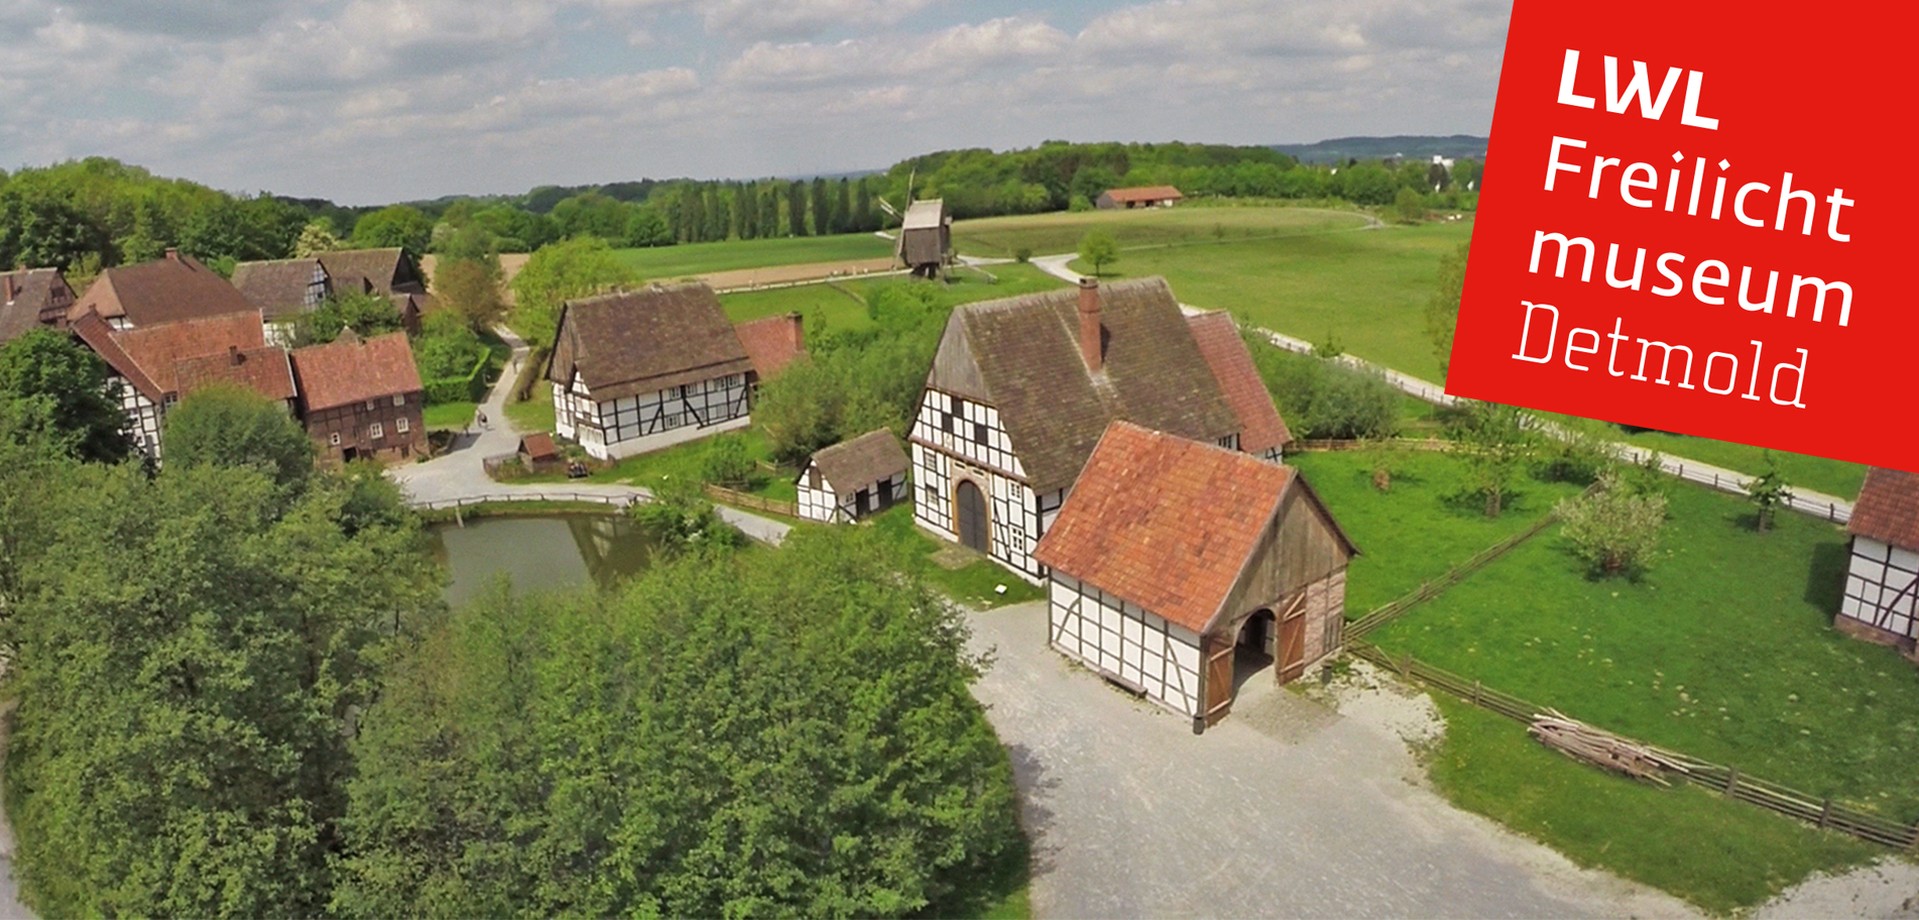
point(278, 287)
point(642, 341)
point(1022, 356)
point(853, 465)
point(32, 293)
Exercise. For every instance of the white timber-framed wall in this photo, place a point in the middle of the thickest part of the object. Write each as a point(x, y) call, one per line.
point(143, 417)
point(1126, 644)
point(954, 440)
point(818, 501)
point(1882, 592)
point(622, 427)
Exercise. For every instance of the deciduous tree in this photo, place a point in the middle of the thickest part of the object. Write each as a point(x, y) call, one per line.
point(1442, 310)
point(58, 390)
point(1496, 445)
point(1614, 528)
point(1098, 248)
point(229, 427)
point(558, 272)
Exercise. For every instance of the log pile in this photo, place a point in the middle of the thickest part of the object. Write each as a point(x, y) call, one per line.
point(1603, 749)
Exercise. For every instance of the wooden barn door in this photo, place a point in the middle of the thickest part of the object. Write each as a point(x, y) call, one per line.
point(1219, 652)
point(1290, 661)
point(972, 515)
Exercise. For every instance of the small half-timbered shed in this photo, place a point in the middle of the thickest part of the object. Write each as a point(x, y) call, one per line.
point(641, 370)
point(853, 479)
point(926, 238)
point(1179, 569)
point(1022, 389)
point(1151, 196)
point(1262, 432)
point(30, 299)
point(1881, 602)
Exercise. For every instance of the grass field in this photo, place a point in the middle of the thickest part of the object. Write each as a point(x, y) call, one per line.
point(1819, 474)
point(1051, 234)
point(1723, 650)
point(449, 416)
point(663, 263)
point(1718, 854)
point(1421, 528)
point(841, 306)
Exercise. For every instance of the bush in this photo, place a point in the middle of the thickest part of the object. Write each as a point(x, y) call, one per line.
point(1023, 255)
point(726, 462)
point(679, 517)
point(1323, 399)
point(1613, 528)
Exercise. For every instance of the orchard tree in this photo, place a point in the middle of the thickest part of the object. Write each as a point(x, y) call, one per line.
point(1767, 493)
point(58, 390)
point(1614, 528)
point(315, 238)
point(1493, 439)
point(1098, 248)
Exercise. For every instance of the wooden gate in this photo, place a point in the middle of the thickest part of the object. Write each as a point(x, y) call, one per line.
point(1219, 652)
point(972, 515)
point(1290, 660)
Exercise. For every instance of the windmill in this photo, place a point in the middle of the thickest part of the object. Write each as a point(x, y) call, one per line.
point(925, 244)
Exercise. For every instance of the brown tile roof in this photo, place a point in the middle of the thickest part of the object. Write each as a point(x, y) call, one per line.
point(160, 350)
point(642, 341)
point(1260, 427)
point(539, 446)
point(350, 369)
point(97, 335)
point(853, 465)
point(27, 297)
point(164, 290)
point(1026, 351)
point(279, 287)
point(1888, 508)
point(1145, 193)
point(1167, 523)
point(265, 370)
point(385, 270)
point(772, 343)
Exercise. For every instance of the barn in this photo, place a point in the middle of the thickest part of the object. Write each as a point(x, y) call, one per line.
point(1149, 196)
point(1881, 602)
point(1178, 570)
point(853, 479)
point(926, 238)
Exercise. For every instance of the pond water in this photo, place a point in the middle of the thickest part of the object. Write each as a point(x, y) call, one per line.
point(536, 553)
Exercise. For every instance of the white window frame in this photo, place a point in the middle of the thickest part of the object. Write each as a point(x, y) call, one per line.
point(402, 425)
point(333, 439)
point(376, 431)
point(399, 399)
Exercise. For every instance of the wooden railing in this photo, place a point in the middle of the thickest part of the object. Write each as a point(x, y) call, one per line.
point(1380, 616)
point(751, 502)
point(1822, 811)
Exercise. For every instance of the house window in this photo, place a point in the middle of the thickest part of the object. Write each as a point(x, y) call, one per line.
point(333, 439)
point(376, 431)
point(399, 399)
point(369, 405)
point(402, 425)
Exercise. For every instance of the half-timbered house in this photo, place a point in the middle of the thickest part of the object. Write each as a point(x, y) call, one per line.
point(383, 272)
point(166, 290)
point(852, 479)
point(154, 367)
point(32, 298)
point(282, 290)
point(1022, 389)
point(1881, 601)
point(641, 370)
point(926, 238)
point(361, 399)
point(1179, 569)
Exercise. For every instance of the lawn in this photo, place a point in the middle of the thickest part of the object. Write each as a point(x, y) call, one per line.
point(534, 414)
point(1685, 840)
point(975, 584)
point(1819, 474)
point(449, 416)
point(1723, 650)
point(669, 262)
point(1421, 528)
point(1051, 234)
point(841, 306)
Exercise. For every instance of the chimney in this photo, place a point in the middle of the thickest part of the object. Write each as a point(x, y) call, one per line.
point(1089, 332)
point(173, 255)
point(233, 355)
point(797, 328)
point(9, 288)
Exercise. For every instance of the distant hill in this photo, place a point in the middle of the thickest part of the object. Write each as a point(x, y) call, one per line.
point(1410, 146)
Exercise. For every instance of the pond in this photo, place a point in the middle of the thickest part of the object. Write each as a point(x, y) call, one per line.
point(541, 552)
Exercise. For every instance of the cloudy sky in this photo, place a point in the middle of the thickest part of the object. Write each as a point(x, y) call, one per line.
point(367, 101)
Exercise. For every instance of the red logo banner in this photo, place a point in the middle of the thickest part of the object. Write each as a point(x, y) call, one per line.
point(1687, 224)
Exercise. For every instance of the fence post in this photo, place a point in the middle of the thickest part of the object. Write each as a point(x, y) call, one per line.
point(1732, 780)
point(1405, 664)
point(1475, 693)
point(1825, 813)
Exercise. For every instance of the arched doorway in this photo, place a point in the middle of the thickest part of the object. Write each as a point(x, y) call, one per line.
point(971, 513)
point(1253, 651)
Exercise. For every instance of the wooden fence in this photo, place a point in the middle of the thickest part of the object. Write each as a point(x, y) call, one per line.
point(727, 496)
point(1380, 616)
point(1435, 445)
point(488, 498)
point(1821, 811)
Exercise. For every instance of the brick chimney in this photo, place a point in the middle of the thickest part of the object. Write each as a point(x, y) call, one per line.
point(233, 355)
point(1089, 330)
point(173, 255)
point(796, 326)
point(9, 292)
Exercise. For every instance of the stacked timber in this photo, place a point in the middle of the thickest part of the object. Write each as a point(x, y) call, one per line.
point(1603, 749)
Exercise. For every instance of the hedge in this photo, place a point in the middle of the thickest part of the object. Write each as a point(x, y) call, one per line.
point(470, 388)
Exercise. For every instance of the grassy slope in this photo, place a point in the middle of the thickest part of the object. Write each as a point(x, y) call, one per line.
point(1419, 529)
point(1723, 651)
point(1718, 854)
point(842, 312)
point(667, 262)
point(1049, 234)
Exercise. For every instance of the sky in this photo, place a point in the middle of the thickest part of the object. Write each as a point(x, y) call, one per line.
point(373, 101)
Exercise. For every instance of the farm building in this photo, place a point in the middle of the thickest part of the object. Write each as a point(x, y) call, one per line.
point(361, 399)
point(1022, 389)
point(772, 343)
point(1150, 196)
point(926, 238)
point(1180, 569)
point(642, 370)
point(31, 298)
point(176, 287)
point(283, 289)
point(1881, 602)
point(853, 479)
point(156, 366)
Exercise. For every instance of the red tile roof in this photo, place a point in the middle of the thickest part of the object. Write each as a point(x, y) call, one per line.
point(1145, 193)
point(1261, 429)
point(266, 371)
point(165, 290)
point(97, 335)
point(1888, 508)
point(539, 446)
point(350, 370)
point(160, 349)
point(1164, 522)
point(772, 342)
